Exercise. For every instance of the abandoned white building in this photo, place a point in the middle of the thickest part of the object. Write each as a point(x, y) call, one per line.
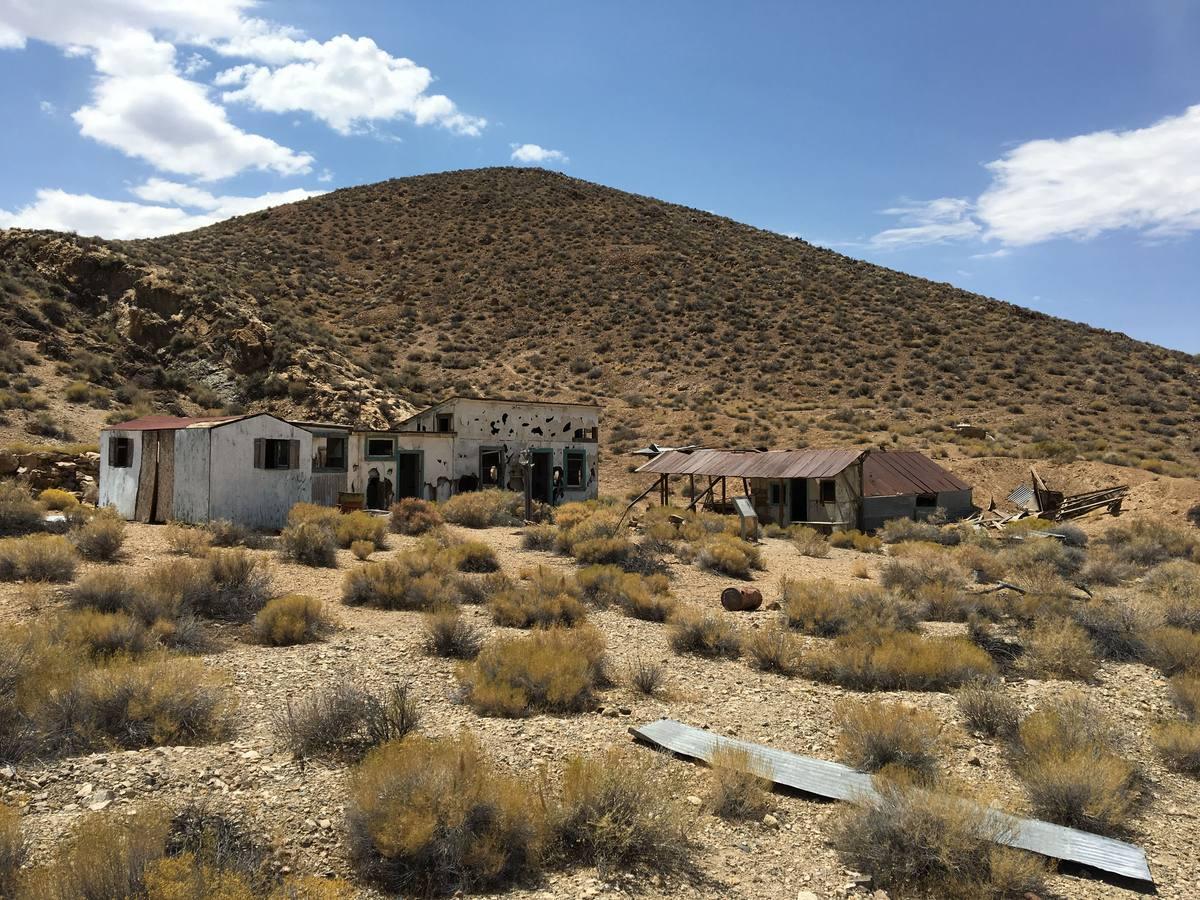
point(249, 469)
point(827, 489)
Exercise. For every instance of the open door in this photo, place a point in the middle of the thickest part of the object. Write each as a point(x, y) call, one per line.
point(543, 470)
point(798, 499)
point(409, 475)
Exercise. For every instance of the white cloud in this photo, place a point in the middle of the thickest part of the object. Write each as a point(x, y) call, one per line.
point(532, 153)
point(47, 108)
point(141, 106)
point(69, 22)
point(345, 82)
point(994, 254)
point(195, 64)
point(90, 215)
point(928, 222)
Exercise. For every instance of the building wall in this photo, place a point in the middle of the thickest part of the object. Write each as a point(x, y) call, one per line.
point(841, 514)
point(258, 498)
point(191, 474)
point(877, 510)
point(957, 504)
point(118, 487)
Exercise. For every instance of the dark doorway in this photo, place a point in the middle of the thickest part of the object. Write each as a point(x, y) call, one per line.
point(543, 465)
point(408, 473)
point(798, 493)
point(379, 491)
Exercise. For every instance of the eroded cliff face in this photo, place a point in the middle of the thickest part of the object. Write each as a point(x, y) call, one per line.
point(145, 317)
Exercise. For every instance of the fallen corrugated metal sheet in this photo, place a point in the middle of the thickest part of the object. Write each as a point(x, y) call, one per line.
point(897, 472)
point(753, 463)
point(838, 782)
point(1024, 498)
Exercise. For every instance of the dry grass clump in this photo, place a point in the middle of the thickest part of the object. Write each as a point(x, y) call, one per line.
point(188, 540)
point(554, 670)
point(1066, 756)
point(739, 783)
point(57, 500)
point(13, 850)
point(1185, 691)
point(310, 544)
point(640, 597)
point(345, 718)
point(618, 813)
point(472, 556)
point(414, 579)
point(922, 567)
point(917, 842)
point(853, 539)
point(225, 533)
point(826, 609)
point(774, 649)
point(105, 634)
point(483, 509)
point(434, 816)
point(37, 557)
point(19, 513)
point(1106, 568)
point(583, 521)
point(810, 542)
point(448, 634)
point(544, 598)
point(898, 531)
point(602, 550)
point(478, 589)
point(706, 634)
point(1178, 743)
point(1173, 650)
point(361, 526)
point(362, 550)
point(291, 619)
point(876, 735)
point(891, 661)
point(1116, 628)
point(723, 553)
point(1173, 590)
point(107, 592)
point(1058, 648)
point(314, 533)
point(1147, 542)
point(230, 585)
point(981, 561)
point(988, 708)
point(539, 537)
point(414, 516)
point(647, 677)
point(100, 538)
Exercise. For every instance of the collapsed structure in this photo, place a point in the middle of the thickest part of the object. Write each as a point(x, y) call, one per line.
point(827, 489)
point(251, 469)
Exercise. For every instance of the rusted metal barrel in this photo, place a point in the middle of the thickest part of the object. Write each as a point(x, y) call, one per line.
point(741, 599)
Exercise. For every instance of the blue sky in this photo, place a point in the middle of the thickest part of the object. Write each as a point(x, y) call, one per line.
point(1043, 153)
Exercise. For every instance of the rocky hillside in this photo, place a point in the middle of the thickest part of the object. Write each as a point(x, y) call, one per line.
point(367, 301)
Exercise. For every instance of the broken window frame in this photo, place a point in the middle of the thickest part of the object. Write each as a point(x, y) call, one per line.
point(827, 490)
point(926, 502)
point(120, 453)
point(441, 419)
point(276, 454)
point(581, 456)
point(483, 467)
point(391, 447)
point(774, 493)
point(322, 464)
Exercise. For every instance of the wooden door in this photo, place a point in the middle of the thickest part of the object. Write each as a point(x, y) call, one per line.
point(164, 502)
point(147, 477)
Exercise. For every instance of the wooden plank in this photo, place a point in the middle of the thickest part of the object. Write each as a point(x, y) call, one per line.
point(147, 477)
point(164, 504)
point(837, 782)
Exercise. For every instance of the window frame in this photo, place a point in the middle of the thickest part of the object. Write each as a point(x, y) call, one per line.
point(115, 446)
point(774, 493)
point(379, 456)
point(275, 449)
point(487, 451)
point(345, 442)
point(829, 484)
point(447, 418)
point(580, 455)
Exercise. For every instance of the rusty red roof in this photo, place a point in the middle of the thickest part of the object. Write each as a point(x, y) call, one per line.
point(753, 463)
point(169, 423)
point(896, 472)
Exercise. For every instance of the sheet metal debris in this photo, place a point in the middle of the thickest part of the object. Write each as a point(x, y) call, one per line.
point(838, 782)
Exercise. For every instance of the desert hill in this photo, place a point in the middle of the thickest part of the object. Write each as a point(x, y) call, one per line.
point(367, 301)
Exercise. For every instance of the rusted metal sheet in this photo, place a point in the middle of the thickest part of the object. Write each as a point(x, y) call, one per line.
point(899, 472)
point(162, 423)
point(753, 463)
point(837, 782)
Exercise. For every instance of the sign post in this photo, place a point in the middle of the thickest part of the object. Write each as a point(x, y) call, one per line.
point(525, 461)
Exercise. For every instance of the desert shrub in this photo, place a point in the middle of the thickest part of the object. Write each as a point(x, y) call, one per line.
point(554, 670)
point(100, 538)
point(824, 608)
point(413, 515)
point(916, 842)
point(602, 550)
point(739, 783)
point(1147, 542)
point(1178, 743)
point(1185, 691)
point(637, 596)
point(19, 514)
point(1173, 650)
point(886, 661)
point(922, 568)
point(105, 633)
point(1058, 648)
point(362, 550)
point(477, 589)
point(876, 735)
point(472, 556)
point(225, 533)
point(1115, 628)
point(984, 565)
point(546, 597)
point(434, 816)
point(309, 543)
point(233, 585)
point(853, 539)
point(483, 509)
point(705, 634)
point(774, 649)
point(448, 634)
point(414, 579)
point(1174, 592)
point(988, 708)
point(810, 542)
point(345, 718)
point(104, 591)
point(1105, 568)
point(1063, 560)
point(57, 499)
point(1066, 756)
point(290, 619)
point(13, 850)
point(728, 555)
point(37, 557)
point(617, 813)
point(187, 540)
point(361, 526)
point(538, 537)
point(898, 531)
point(583, 522)
point(647, 677)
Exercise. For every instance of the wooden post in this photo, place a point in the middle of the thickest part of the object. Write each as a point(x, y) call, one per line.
point(691, 487)
point(724, 502)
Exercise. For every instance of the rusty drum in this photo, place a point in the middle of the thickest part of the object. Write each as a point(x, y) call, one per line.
point(741, 599)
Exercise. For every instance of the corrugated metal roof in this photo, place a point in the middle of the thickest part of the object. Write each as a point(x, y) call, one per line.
point(897, 472)
point(753, 463)
point(170, 423)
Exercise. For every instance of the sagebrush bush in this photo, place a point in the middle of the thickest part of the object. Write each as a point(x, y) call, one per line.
point(705, 634)
point(728, 555)
point(310, 544)
point(875, 735)
point(545, 598)
point(472, 556)
point(739, 783)
point(362, 550)
point(13, 850)
point(639, 597)
point(413, 516)
point(853, 539)
point(415, 579)
point(810, 542)
point(19, 513)
point(187, 540)
point(37, 557)
point(897, 531)
point(981, 561)
point(824, 608)
point(602, 550)
point(1106, 568)
point(105, 591)
point(57, 499)
point(553, 670)
point(774, 649)
point(291, 619)
point(1173, 650)
point(916, 842)
point(1185, 691)
point(434, 816)
point(361, 526)
point(233, 585)
point(483, 509)
point(448, 634)
point(100, 538)
point(888, 661)
point(922, 568)
point(1058, 648)
point(345, 718)
point(988, 708)
point(1174, 593)
point(105, 633)
point(647, 677)
point(477, 589)
point(225, 533)
point(538, 537)
point(1147, 542)
point(1116, 628)
point(584, 522)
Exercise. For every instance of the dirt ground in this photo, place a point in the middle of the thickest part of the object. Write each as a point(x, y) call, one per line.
point(300, 808)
